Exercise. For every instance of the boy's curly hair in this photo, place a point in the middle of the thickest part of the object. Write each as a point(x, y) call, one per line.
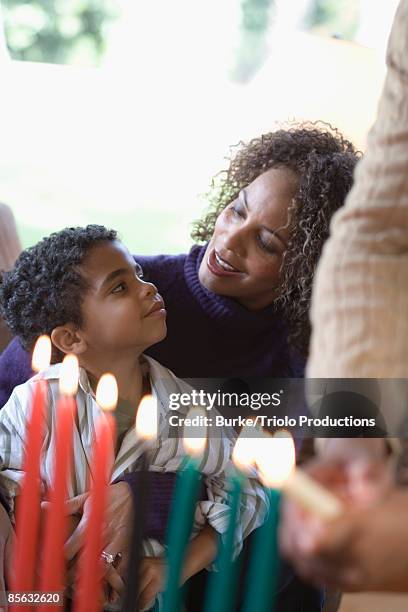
point(324, 162)
point(45, 288)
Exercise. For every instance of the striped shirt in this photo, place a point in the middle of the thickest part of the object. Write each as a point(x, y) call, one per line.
point(166, 455)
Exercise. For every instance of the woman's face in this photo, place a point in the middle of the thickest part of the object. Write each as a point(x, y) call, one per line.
point(244, 255)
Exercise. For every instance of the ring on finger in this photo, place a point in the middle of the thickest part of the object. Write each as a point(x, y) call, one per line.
point(111, 558)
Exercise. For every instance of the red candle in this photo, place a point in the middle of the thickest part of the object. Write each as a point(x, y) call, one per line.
point(53, 568)
point(90, 565)
point(28, 505)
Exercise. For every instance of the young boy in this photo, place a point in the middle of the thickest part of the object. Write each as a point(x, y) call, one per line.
point(82, 287)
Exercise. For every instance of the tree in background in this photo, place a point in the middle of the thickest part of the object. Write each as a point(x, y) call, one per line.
point(57, 31)
point(328, 17)
point(253, 48)
point(338, 18)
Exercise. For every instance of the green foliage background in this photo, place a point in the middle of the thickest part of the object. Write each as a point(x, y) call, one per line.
point(334, 17)
point(57, 31)
point(74, 31)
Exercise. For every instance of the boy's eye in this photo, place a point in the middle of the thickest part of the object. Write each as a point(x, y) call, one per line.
point(119, 288)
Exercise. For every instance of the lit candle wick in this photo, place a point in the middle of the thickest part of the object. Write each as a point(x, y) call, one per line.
point(42, 354)
point(277, 468)
point(69, 376)
point(195, 432)
point(146, 418)
point(107, 392)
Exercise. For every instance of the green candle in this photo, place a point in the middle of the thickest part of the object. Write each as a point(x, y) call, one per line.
point(221, 590)
point(263, 571)
point(275, 460)
point(179, 530)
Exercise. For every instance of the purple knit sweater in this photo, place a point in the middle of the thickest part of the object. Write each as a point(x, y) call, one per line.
point(209, 336)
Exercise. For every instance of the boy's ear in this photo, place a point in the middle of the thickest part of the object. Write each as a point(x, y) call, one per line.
point(67, 339)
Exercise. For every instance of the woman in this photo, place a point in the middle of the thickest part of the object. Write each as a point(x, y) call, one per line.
point(251, 280)
point(238, 302)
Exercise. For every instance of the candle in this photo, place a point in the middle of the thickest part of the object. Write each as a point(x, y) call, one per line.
point(221, 591)
point(52, 575)
point(28, 505)
point(88, 597)
point(263, 571)
point(182, 513)
point(146, 428)
point(277, 461)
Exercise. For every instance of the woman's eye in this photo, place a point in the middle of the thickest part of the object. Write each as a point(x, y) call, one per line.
point(237, 211)
point(119, 288)
point(267, 246)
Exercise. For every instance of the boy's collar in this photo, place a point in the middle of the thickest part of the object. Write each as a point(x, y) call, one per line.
point(53, 373)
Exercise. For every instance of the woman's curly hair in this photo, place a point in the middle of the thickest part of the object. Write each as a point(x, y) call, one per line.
point(324, 162)
point(45, 288)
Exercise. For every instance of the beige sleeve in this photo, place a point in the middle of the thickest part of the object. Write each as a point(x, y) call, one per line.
point(360, 298)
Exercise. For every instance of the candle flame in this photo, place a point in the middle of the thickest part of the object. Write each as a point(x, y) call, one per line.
point(69, 375)
point(41, 354)
point(276, 459)
point(107, 392)
point(195, 436)
point(245, 448)
point(146, 418)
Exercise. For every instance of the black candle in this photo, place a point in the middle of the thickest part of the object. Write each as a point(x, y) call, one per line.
point(136, 549)
point(146, 428)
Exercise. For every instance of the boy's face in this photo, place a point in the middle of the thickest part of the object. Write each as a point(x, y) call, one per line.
point(120, 311)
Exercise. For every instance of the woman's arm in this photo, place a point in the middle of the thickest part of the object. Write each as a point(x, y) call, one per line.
point(15, 369)
point(161, 487)
point(123, 496)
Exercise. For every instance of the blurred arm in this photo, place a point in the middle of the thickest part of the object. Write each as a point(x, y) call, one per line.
point(360, 298)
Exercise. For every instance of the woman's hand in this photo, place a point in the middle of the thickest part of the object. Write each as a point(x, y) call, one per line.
point(113, 584)
point(116, 532)
point(118, 520)
point(151, 579)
